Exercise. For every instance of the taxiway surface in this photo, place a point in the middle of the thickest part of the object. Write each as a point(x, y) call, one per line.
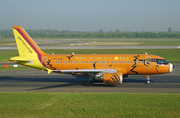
point(40, 81)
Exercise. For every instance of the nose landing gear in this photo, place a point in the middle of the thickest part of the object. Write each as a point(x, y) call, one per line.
point(148, 79)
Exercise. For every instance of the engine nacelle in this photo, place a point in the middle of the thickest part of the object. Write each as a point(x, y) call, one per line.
point(110, 78)
point(99, 77)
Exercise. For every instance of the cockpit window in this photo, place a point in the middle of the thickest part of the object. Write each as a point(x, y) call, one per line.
point(161, 61)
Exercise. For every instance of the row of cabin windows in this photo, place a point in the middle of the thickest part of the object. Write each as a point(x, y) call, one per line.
point(97, 62)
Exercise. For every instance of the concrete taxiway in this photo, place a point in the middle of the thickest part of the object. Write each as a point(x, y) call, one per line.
point(40, 81)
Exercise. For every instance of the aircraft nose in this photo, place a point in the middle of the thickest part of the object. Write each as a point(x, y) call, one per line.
point(171, 67)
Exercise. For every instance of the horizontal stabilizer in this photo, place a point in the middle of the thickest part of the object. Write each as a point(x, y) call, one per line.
point(19, 59)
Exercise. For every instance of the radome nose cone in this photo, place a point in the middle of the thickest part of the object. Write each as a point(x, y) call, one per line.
point(171, 67)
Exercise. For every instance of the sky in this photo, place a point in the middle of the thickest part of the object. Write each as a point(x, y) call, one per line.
point(91, 15)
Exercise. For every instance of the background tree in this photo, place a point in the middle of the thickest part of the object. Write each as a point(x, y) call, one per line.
point(43, 33)
point(101, 31)
point(169, 29)
point(117, 31)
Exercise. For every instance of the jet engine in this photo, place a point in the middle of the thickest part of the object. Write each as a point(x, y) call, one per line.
point(110, 78)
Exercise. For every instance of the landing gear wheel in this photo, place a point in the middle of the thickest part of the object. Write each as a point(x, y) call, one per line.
point(148, 79)
point(90, 83)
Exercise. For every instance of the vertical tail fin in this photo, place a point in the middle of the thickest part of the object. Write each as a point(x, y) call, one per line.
point(29, 53)
point(24, 42)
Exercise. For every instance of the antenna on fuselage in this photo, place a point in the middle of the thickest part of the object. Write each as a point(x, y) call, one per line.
point(72, 53)
point(146, 53)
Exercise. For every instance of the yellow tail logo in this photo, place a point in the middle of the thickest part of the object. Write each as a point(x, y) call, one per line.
point(28, 48)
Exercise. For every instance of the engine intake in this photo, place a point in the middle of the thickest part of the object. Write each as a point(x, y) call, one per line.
point(110, 78)
point(99, 77)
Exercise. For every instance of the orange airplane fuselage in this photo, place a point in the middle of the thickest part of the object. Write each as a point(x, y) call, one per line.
point(109, 68)
point(127, 64)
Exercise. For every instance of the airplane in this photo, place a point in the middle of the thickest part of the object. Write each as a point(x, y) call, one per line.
point(107, 68)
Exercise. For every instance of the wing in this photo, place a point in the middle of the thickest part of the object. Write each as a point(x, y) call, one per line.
point(86, 71)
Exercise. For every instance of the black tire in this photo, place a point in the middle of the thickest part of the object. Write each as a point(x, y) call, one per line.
point(90, 83)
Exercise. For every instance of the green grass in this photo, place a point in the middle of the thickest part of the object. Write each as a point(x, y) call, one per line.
point(46, 105)
point(168, 54)
point(7, 42)
point(5, 55)
point(141, 41)
point(160, 43)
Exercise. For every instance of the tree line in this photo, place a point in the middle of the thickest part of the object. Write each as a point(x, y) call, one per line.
point(99, 34)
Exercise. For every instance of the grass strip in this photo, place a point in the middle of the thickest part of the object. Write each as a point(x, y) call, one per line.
point(27, 104)
point(168, 54)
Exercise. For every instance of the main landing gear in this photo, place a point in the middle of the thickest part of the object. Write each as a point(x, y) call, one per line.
point(148, 79)
point(90, 81)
